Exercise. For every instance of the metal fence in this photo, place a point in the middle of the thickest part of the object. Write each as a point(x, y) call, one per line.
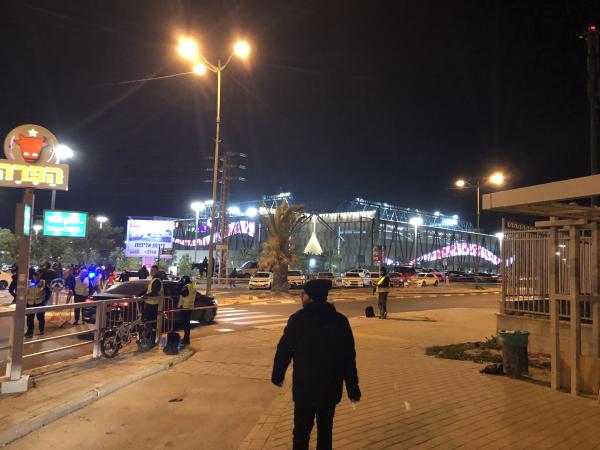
point(101, 315)
point(526, 256)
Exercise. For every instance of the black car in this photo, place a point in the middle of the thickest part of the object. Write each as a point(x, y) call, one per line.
point(138, 288)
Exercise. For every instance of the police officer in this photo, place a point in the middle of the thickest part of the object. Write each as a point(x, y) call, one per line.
point(382, 288)
point(36, 296)
point(186, 301)
point(154, 294)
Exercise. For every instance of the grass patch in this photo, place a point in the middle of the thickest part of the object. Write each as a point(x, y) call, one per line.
point(487, 351)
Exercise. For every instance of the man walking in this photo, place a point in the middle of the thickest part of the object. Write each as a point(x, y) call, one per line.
point(154, 294)
point(382, 288)
point(320, 341)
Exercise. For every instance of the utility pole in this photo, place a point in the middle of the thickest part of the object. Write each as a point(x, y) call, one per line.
point(593, 88)
point(223, 220)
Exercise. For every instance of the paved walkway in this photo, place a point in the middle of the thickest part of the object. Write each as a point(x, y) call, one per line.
point(411, 400)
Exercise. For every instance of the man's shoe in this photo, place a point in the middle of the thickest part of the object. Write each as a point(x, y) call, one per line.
point(29, 334)
point(41, 332)
point(76, 323)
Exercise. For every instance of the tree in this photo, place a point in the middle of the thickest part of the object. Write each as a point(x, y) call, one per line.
point(9, 246)
point(123, 262)
point(279, 251)
point(184, 266)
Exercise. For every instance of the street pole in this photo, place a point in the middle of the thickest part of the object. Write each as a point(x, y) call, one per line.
point(593, 88)
point(15, 362)
point(196, 239)
point(477, 247)
point(53, 199)
point(478, 204)
point(215, 182)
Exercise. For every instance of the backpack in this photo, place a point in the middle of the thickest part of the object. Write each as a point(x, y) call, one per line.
point(369, 311)
point(173, 345)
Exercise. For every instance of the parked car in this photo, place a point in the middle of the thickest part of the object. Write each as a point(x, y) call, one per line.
point(247, 269)
point(329, 276)
point(397, 279)
point(261, 280)
point(364, 274)
point(295, 279)
point(405, 271)
point(424, 279)
point(352, 279)
point(5, 279)
point(138, 288)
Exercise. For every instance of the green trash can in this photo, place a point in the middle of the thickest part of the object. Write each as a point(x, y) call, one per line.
point(515, 358)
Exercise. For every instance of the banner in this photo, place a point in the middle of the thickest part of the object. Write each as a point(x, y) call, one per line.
point(148, 237)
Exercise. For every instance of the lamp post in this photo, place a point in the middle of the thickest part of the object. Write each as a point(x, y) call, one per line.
point(416, 222)
point(189, 50)
point(101, 220)
point(37, 228)
point(197, 207)
point(62, 152)
point(496, 179)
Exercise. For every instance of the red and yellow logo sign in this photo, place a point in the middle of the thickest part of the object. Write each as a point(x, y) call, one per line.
point(32, 160)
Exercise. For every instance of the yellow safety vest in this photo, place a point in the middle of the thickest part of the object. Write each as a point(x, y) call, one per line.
point(161, 293)
point(381, 289)
point(187, 301)
point(36, 294)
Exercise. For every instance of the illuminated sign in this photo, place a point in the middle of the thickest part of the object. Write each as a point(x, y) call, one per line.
point(148, 237)
point(32, 160)
point(459, 249)
point(26, 219)
point(240, 227)
point(65, 223)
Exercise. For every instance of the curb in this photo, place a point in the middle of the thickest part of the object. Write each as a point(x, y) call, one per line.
point(86, 399)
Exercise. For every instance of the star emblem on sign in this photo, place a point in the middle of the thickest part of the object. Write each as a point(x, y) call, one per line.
point(32, 132)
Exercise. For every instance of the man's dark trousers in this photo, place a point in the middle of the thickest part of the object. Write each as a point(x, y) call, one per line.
point(304, 419)
point(186, 316)
point(149, 314)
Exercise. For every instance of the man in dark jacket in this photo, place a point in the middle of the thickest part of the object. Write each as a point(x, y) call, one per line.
point(320, 341)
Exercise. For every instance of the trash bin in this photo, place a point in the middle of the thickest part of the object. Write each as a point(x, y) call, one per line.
point(514, 352)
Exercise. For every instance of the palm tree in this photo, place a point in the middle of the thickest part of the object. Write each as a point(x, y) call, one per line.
point(279, 251)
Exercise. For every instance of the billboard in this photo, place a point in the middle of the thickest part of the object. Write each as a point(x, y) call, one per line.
point(64, 223)
point(147, 237)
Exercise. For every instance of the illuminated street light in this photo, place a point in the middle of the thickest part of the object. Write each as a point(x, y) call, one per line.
point(251, 212)
point(37, 228)
point(62, 152)
point(189, 50)
point(497, 178)
point(198, 207)
point(234, 211)
point(460, 183)
point(499, 236)
point(101, 220)
point(241, 49)
point(200, 69)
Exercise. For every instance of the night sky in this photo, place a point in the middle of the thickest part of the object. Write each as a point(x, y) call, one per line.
point(389, 101)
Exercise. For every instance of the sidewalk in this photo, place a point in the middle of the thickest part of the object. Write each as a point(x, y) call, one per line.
point(412, 400)
point(59, 389)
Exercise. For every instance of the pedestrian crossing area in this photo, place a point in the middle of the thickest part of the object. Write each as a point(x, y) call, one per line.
point(259, 319)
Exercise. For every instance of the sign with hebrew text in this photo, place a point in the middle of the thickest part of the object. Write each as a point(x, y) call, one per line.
point(32, 160)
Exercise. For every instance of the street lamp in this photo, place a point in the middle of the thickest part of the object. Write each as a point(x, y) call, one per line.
point(37, 228)
point(416, 222)
point(101, 220)
point(189, 50)
point(496, 179)
point(62, 152)
point(197, 207)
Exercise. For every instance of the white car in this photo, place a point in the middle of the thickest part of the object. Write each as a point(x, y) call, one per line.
point(424, 279)
point(261, 280)
point(352, 279)
point(364, 274)
point(295, 279)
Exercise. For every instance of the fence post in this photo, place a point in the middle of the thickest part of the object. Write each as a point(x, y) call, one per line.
point(575, 317)
point(100, 321)
point(554, 319)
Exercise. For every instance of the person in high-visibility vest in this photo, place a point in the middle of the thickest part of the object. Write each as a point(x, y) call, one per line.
point(187, 298)
point(382, 288)
point(36, 296)
point(154, 294)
